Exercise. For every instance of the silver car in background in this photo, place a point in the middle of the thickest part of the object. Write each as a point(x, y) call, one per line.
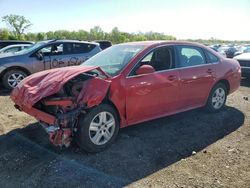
point(42, 56)
point(14, 48)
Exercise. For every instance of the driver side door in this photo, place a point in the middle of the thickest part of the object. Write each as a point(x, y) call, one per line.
point(153, 95)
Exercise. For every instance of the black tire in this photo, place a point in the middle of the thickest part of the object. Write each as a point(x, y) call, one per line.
point(210, 106)
point(8, 74)
point(83, 135)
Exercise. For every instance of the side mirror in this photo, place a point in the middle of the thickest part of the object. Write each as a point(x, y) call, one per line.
point(39, 56)
point(145, 69)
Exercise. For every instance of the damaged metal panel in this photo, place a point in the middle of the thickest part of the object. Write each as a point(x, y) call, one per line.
point(57, 97)
point(45, 83)
point(94, 92)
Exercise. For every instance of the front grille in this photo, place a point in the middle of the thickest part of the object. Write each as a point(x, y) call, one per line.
point(244, 63)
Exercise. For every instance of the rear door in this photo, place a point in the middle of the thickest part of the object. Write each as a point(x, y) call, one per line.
point(79, 52)
point(153, 95)
point(197, 76)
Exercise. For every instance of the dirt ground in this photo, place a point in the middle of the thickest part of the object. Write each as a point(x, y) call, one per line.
point(191, 149)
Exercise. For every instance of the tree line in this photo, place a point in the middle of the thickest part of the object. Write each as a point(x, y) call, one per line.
point(18, 25)
point(96, 33)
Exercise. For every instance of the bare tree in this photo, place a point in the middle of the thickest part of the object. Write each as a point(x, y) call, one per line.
point(17, 24)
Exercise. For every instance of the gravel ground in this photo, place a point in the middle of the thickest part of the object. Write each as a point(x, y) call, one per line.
point(191, 149)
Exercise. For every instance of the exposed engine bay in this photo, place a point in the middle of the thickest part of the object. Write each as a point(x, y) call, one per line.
point(58, 113)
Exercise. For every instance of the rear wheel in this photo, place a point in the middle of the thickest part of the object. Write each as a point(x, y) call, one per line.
point(217, 98)
point(12, 78)
point(98, 128)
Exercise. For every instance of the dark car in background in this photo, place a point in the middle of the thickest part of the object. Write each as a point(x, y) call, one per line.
point(229, 51)
point(103, 44)
point(4, 43)
point(44, 55)
point(243, 49)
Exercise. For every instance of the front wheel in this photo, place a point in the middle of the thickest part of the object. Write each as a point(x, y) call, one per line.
point(98, 128)
point(217, 98)
point(12, 78)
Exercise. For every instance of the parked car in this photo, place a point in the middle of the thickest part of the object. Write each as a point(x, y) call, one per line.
point(244, 60)
point(222, 52)
point(4, 43)
point(228, 50)
point(242, 49)
point(103, 44)
point(124, 85)
point(42, 56)
point(14, 48)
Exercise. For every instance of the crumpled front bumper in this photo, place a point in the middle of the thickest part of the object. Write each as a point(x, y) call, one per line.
point(59, 126)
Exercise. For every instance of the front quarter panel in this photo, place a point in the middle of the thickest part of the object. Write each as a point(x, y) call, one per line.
point(17, 61)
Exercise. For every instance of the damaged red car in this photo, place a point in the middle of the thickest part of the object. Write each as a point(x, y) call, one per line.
point(124, 85)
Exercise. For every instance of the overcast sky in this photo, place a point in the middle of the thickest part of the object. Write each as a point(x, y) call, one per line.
point(221, 19)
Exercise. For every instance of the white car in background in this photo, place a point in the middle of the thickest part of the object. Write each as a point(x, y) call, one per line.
point(244, 60)
point(14, 48)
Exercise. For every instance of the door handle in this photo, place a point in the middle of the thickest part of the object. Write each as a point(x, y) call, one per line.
point(209, 71)
point(172, 77)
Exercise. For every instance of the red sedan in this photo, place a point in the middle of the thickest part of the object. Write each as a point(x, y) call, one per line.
point(124, 85)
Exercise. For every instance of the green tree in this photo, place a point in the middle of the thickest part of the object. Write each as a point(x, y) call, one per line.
point(96, 33)
point(41, 36)
point(116, 36)
point(31, 36)
point(4, 34)
point(17, 24)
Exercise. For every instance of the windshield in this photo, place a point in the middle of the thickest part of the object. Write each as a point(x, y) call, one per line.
point(115, 58)
point(31, 48)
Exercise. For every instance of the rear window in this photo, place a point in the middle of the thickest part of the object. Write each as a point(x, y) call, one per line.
point(211, 57)
point(190, 56)
point(82, 48)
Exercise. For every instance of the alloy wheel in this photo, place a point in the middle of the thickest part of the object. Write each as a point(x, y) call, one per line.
point(102, 128)
point(14, 79)
point(218, 98)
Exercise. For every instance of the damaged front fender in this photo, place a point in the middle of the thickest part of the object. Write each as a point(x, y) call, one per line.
point(46, 96)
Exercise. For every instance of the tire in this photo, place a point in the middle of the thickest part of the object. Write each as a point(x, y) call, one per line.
point(94, 134)
point(12, 77)
point(217, 98)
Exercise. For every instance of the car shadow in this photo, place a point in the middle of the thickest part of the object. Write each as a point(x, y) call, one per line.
point(3, 91)
point(28, 157)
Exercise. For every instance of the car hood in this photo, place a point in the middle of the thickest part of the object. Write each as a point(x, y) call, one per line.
point(9, 57)
point(244, 56)
point(46, 83)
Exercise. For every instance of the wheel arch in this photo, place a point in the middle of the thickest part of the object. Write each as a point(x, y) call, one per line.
point(109, 102)
point(225, 82)
point(16, 68)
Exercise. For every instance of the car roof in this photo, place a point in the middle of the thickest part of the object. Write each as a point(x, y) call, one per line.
point(19, 41)
point(69, 41)
point(17, 45)
point(163, 42)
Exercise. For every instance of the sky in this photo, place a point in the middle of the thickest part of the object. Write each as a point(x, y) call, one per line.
point(184, 19)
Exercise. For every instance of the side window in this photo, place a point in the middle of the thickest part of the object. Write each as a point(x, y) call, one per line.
point(190, 56)
point(50, 50)
point(14, 49)
point(160, 59)
point(68, 48)
point(82, 48)
point(211, 57)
